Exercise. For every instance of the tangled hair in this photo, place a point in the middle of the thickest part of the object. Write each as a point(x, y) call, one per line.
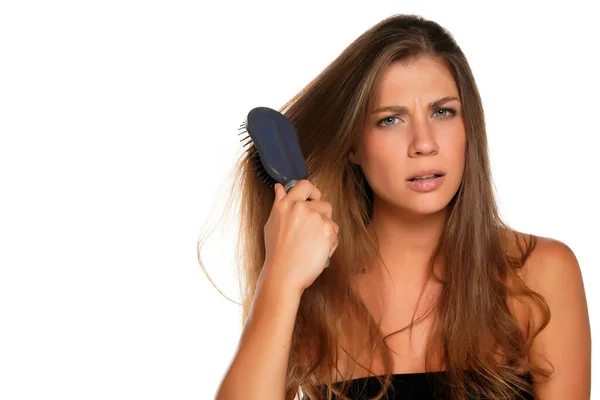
point(474, 322)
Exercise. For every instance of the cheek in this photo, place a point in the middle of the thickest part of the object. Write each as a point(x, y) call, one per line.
point(460, 150)
point(453, 146)
point(456, 161)
point(380, 155)
point(383, 164)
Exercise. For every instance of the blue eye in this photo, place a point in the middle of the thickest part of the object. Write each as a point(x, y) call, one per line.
point(441, 113)
point(387, 121)
point(451, 112)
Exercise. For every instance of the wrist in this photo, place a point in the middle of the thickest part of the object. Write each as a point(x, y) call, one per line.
point(278, 285)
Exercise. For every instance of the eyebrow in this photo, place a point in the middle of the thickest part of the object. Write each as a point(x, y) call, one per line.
point(403, 109)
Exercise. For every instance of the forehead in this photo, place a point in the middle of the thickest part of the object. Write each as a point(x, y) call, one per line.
point(423, 78)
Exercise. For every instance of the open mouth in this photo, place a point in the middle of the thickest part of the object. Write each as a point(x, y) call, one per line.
point(425, 177)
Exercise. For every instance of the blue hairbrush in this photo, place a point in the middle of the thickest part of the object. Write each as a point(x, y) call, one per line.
point(272, 143)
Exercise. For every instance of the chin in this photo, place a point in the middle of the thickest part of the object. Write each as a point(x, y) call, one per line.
point(425, 206)
point(423, 210)
point(414, 204)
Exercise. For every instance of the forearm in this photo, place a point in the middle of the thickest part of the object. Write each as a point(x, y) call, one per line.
point(258, 370)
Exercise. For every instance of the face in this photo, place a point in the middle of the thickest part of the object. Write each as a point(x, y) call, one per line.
point(415, 127)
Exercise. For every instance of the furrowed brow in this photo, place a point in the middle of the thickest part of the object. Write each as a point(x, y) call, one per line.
point(403, 109)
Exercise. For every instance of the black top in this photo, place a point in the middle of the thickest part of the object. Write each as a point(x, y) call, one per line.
point(412, 386)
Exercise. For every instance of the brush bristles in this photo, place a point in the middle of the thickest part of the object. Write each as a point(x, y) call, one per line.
point(260, 171)
point(252, 156)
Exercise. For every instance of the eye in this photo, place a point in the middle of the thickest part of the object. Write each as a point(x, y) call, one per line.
point(451, 112)
point(387, 121)
point(442, 113)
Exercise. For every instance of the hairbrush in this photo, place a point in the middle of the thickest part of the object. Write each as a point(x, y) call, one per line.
point(271, 141)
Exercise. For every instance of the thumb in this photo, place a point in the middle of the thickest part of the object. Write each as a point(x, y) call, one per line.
point(279, 192)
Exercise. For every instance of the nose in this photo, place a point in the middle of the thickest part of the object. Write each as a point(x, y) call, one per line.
point(423, 142)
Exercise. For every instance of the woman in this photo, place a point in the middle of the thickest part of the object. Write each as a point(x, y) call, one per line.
point(428, 292)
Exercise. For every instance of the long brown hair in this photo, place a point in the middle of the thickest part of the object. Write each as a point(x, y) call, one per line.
point(474, 322)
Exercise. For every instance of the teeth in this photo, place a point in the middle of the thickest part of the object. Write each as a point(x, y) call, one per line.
point(424, 177)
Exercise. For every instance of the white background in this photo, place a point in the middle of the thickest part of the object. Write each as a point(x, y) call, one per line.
point(118, 126)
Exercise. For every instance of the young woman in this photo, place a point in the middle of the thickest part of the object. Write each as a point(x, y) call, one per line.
point(428, 293)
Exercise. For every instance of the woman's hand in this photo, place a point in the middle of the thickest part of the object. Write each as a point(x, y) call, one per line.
point(300, 236)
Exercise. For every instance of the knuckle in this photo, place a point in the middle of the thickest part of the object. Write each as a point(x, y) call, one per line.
point(282, 204)
point(299, 207)
point(300, 210)
point(305, 182)
point(316, 216)
point(328, 230)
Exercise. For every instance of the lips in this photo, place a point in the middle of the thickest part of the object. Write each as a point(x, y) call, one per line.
point(422, 178)
point(425, 185)
point(432, 173)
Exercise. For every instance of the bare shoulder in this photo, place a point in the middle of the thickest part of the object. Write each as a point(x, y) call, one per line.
point(564, 345)
point(551, 261)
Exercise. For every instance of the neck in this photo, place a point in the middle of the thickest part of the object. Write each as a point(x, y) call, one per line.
point(406, 240)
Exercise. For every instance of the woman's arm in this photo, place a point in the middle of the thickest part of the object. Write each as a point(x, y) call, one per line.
point(299, 237)
point(258, 370)
point(553, 272)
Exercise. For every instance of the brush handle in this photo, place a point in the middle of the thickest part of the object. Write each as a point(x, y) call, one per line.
point(290, 184)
